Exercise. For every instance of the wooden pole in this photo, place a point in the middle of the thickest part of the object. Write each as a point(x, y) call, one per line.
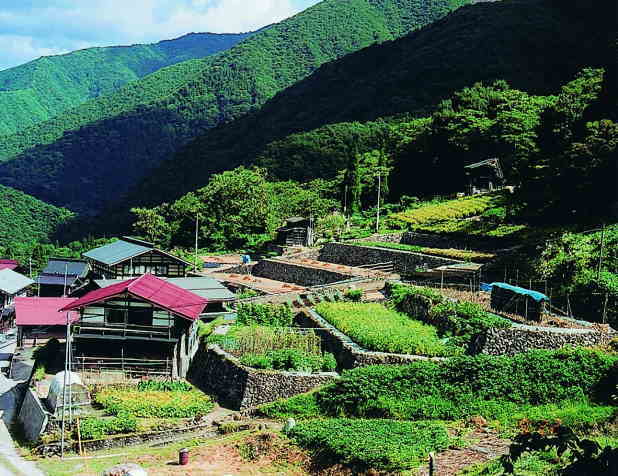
point(79, 439)
point(433, 470)
point(601, 253)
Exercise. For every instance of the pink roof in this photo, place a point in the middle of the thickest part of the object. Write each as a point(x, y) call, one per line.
point(43, 311)
point(8, 264)
point(158, 292)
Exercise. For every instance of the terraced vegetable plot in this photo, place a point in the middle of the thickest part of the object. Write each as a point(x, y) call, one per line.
point(459, 208)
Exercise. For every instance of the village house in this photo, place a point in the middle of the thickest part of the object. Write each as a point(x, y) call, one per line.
point(40, 318)
point(62, 277)
point(12, 284)
point(146, 324)
point(8, 264)
point(209, 288)
point(130, 257)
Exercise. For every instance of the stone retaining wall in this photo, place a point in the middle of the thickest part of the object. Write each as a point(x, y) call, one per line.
point(296, 273)
point(519, 339)
point(403, 261)
point(441, 241)
point(218, 373)
point(350, 355)
point(32, 416)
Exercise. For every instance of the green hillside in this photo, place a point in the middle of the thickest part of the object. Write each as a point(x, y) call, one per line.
point(25, 219)
point(91, 154)
point(535, 45)
point(43, 88)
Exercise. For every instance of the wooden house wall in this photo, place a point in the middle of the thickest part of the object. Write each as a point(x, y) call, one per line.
point(153, 262)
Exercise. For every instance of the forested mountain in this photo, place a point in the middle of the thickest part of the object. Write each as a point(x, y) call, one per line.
point(90, 155)
point(43, 88)
point(535, 45)
point(25, 219)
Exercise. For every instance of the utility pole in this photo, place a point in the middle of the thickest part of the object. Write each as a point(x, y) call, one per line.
point(197, 227)
point(66, 270)
point(378, 212)
point(601, 253)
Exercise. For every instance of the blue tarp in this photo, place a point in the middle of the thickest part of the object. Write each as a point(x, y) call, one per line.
point(485, 287)
point(537, 296)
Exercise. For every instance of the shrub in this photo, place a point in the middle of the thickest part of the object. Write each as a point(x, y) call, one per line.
point(380, 329)
point(426, 389)
point(385, 445)
point(164, 404)
point(205, 329)
point(264, 315)
point(92, 428)
point(354, 295)
point(290, 359)
point(300, 406)
point(164, 386)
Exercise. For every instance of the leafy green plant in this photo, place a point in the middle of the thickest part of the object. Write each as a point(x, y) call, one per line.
point(264, 315)
point(384, 445)
point(290, 359)
point(353, 295)
point(164, 386)
point(92, 428)
point(151, 403)
point(378, 328)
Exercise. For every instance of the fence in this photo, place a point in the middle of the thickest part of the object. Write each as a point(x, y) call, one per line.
point(129, 366)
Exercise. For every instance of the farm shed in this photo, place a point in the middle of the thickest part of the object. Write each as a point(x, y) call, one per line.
point(524, 302)
point(39, 317)
point(62, 276)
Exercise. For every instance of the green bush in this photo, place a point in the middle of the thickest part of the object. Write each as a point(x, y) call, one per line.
point(92, 428)
point(380, 329)
point(354, 295)
point(164, 404)
point(301, 406)
point(469, 385)
point(264, 315)
point(164, 386)
point(385, 445)
point(290, 359)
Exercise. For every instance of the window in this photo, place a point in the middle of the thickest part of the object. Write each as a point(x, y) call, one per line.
point(114, 316)
point(140, 316)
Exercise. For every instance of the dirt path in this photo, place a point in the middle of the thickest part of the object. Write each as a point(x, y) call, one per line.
point(450, 462)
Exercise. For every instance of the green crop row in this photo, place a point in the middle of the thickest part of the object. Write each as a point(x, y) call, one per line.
point(264, 315)
point(93, 428)
point(453, 253)
point(381, 329)
point(459, 208)
point(291, 359)
point(165, 404)
point(385, 445)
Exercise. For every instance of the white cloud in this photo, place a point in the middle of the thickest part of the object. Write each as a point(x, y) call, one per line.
point(31, 28)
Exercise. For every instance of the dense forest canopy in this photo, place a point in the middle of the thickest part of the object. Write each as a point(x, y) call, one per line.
point(43, 88)
point(108, 144)
point(535, 45)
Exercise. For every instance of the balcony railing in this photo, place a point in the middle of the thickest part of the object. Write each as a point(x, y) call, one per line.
point(85, 328)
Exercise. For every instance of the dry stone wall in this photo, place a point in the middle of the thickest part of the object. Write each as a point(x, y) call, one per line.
point(297, 274)
point(218, 373)
point(520, 338)
point(403, 261)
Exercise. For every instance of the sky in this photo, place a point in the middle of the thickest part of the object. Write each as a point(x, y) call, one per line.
point(33, 28)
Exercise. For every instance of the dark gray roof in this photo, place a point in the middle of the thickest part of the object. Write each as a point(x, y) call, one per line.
point(56, 280)
point(58, 266)
point(12, 282)
point(205, 287)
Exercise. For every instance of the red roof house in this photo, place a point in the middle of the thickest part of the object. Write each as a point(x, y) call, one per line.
point(157, 291)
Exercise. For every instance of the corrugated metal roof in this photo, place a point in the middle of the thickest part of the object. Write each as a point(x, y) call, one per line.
point(206, 287)
point(8, 264)
point(71, 267)
point(43, 311)
point(55, 280)
point(116, 252)
point(12, 282)
point(155, 290)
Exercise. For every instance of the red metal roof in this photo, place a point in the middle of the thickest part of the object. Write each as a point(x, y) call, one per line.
point(43, 311)
point(158, 292)
point(8, 264)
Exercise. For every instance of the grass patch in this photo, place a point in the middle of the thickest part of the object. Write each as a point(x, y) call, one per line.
point(381, 329)
point(385, 445)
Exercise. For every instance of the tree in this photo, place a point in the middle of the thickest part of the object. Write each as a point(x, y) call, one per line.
point(152, 226)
